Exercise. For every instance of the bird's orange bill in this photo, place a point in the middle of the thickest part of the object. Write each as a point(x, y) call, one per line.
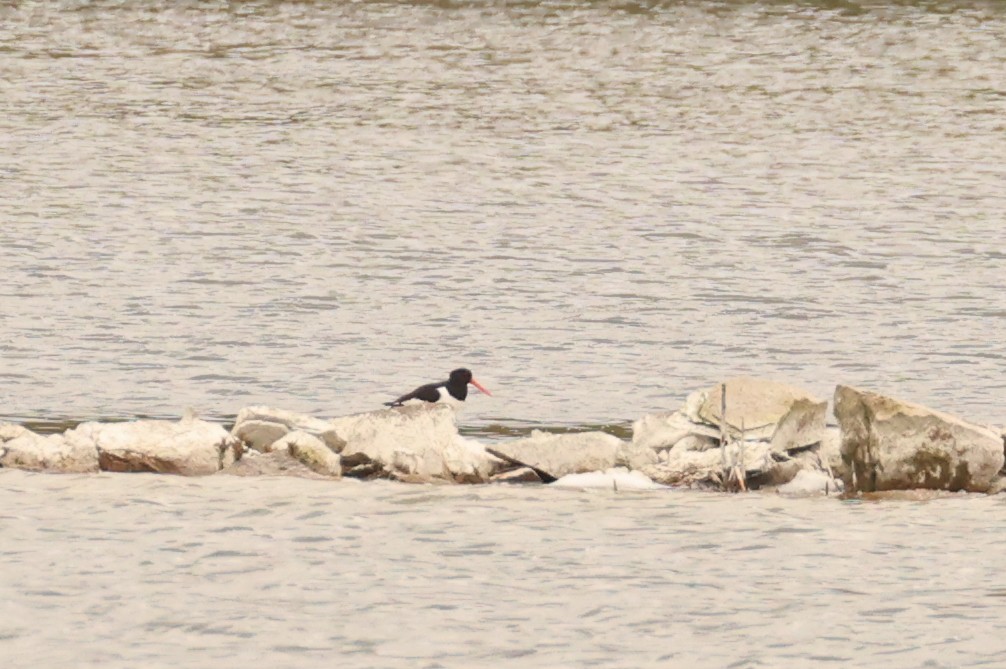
point(480, 387)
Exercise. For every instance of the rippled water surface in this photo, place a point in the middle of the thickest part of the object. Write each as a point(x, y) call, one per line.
point(123, 571)
point(598, 206)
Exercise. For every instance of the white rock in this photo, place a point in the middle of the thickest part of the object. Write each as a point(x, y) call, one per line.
point(260, 435)
point(614, 479)
point(895, 445)
point(10, 431)
point(413, 443)
point(560, 454)
point(187, 447)
point(811, 482)
point(312, 452)
point(68, 452)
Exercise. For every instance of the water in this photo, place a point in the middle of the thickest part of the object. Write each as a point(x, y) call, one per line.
point(227, 572)
point(598, 206)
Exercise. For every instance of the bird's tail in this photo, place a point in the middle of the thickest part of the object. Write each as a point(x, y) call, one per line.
point(393, 404)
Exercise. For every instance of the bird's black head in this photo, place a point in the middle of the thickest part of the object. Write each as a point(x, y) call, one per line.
point(460, 377)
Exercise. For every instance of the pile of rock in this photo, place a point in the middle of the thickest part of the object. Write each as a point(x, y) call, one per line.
point(189, 447)
point(769, 431)
point(760, 434)
point(412, 443)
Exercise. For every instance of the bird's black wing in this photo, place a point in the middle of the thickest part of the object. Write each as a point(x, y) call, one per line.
point(427, 393)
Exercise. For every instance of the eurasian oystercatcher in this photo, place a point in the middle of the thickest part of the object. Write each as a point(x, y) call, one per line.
point(453, 390)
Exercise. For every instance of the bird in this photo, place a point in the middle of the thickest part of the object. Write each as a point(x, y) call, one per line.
point(452, 391)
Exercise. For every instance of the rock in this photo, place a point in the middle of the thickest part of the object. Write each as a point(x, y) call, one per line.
point(9, 431)
point(312, 452)
point(635, 457)
point(412, 443)
point(811, 482)
point(187, 447)
point(998, 486)
point(519, 475)
point(766, 410)
point(276, 463)
point(683, 467)
point(830, 453)
point(260, 435)
point(68, 452)
point(260, 427)
point(890, 444)
point(615, 479)
point(663, 430)
point(557, 455)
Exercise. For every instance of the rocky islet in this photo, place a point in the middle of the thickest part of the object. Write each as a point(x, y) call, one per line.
point(774, 436)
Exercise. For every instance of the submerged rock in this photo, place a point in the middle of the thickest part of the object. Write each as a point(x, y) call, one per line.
point(518, 475)
point(68, 452)
point(553, 456)
point(187, 447)
point(276, 463)
point(615, 479)
point(890, 444)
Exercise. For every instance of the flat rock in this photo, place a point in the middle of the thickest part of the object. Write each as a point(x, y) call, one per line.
point(891, 444)
point(557, 455)
point(418, 443)
point(276, 463)
point(312, 452)
point(188, 447)
point(68, 452)
point(784, 414)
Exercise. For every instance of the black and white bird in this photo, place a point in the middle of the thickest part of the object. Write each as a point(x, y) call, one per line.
point(452, 391)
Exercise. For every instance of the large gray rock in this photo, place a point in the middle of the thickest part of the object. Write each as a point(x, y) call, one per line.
point(890, 444)
point(189, 447)
point(417, 443)
point(557, 455)
point(68, 452)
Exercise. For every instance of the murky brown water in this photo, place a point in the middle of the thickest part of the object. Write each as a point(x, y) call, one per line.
point(124, 571)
